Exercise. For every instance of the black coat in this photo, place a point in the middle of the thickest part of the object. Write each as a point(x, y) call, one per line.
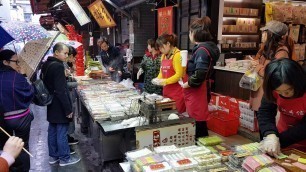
point(112, 58)
point(267, 125)
point(55, 81)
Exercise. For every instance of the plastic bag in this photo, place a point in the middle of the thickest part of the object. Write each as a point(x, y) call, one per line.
point(250, 80)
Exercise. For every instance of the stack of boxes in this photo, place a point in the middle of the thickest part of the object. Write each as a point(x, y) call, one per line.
point(247, 117)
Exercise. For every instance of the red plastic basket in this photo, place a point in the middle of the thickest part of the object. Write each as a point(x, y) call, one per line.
point(223, 123)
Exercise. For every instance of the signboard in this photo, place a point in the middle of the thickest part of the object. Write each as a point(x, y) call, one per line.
point(78, 12)
point(180, 135)
point(165, 20)
point(100, 13)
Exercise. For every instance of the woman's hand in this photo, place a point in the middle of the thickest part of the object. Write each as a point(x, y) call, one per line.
point(160, 82)
point(13, 146)
point(270, 145)
point(185, 85)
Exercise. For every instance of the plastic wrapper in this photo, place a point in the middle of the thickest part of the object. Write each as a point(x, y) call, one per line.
point(250, 80)
point(210, 141)
point(159, 167)
point(166, 149)
point(133, 155)
point(184, 164)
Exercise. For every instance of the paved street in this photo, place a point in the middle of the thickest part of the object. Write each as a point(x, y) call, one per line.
point(90, 160)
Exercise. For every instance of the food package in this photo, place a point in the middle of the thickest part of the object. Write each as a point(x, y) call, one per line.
point(210, 140)
point(196, 151)
point(226, 11)
point(133, 155)
point(244, 11)
point(297, 50)
point(297, 14)
point(302, 51)
point(303, 16)
point(294, 32)
point(268, 12)
point(184, 164)
point(250, 80)
point(147, 160)
point(158, 167)
point(253, 12)
point(166, 149)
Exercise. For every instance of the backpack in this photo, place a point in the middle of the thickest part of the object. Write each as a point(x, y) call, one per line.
point(42, 96)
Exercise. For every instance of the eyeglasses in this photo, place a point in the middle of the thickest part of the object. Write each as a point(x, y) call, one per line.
point(16, 61)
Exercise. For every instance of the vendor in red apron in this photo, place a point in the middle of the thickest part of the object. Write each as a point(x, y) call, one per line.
point(285, 90)
point(171, 70)
point(199, 69)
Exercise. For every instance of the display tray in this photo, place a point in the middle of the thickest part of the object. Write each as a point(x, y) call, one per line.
point(289, 152)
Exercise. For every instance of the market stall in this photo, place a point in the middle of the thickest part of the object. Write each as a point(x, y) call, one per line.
point(110, 112)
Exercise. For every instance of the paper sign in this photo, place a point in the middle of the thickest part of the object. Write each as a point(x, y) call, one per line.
point(100, 13)
point(180, 135)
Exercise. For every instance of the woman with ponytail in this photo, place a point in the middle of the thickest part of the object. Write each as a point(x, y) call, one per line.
point(171, 70)
point(199, 70)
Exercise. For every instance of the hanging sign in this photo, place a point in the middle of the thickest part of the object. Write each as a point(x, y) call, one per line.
point(165, 20)
point(100, 13)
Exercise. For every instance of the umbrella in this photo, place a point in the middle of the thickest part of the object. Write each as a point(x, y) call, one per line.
point(32, 53)
point(61, 38)
point(4, 37)
point(23, 32)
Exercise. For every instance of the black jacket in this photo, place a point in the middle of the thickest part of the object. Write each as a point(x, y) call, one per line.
point(267, 125)
point(56, 83)
point(112, 58)
point(199, 63)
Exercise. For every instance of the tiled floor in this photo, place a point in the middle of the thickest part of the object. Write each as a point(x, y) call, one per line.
point(90, 161)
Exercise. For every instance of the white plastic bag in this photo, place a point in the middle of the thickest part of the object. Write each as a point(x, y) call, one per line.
point(250, 80)
point(127, 83)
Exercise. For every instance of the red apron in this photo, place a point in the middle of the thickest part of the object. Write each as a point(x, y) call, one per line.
point(172, 91)
point(196, 102)
point(196, 98)
point(291, 113)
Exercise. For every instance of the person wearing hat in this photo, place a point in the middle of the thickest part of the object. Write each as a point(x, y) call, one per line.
point(16, 94)
point(277, 45)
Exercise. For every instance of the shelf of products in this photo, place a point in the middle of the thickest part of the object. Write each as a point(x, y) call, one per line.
point(240, 27)
point(240, 16)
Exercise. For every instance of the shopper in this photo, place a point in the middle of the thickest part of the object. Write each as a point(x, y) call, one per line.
point(285, 91)
point(16, 96)
point(72, 85)
point(274, 48)
point(12, 148)
point(205, 53)
point(59, 112)
point(171, 70)
point(150, 66)
point(112, 59)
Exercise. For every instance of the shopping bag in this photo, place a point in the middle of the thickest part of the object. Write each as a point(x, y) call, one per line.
point(251, 80)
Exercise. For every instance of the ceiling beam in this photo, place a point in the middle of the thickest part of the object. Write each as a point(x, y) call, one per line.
point(132, 4)
point(118, 8)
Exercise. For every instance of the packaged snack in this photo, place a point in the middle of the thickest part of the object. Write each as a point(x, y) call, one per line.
point(294, 32)
point(184, 164)
point(159, 167)
point(166, 149)
point(133, 155)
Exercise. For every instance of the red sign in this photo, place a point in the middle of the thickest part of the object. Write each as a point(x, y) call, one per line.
point(165, 20)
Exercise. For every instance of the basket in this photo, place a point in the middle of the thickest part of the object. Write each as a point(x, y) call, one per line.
point(225, 124)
